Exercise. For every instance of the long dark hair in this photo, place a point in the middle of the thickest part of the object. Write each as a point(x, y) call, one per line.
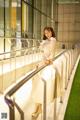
point(48, 29)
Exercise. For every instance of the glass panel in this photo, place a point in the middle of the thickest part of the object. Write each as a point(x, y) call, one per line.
point(29, 1)
point(2, 18)
point(24, 17)
point(1, 25)
point(7, 18)
point(37, 24)
point(43, 23)
point(48, 22)
point(30, 22)
point(37, 4)
point(44, 6)
point(49, 2)
point(18, 25)
point(27, 20)
point(12, 23)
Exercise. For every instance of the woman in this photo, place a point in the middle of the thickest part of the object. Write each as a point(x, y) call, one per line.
point(48, 47)
point(48, 44)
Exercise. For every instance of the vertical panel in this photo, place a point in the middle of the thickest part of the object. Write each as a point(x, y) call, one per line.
point(13, 18)
point(1, 25)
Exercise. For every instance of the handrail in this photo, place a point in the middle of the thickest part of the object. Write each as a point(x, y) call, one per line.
point(19, 38)
point(17, 86)
point(16, 50)
point(7, 96)
point(11, 52)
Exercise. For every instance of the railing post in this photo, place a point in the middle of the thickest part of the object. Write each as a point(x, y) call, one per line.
point(11, 104)
point(44, 100)
point(19, 110)
point(55, 96)
point(11, 108)
point(61, 83)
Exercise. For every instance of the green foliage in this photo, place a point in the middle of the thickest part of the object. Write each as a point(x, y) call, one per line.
point(73, 107)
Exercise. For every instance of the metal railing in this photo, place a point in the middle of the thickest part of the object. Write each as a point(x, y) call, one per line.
point(11, 102)
point(24, 58)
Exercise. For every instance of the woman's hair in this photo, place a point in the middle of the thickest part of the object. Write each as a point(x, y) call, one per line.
point(48, 29)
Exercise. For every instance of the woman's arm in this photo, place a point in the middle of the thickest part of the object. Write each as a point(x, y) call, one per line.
point(49, 59)
point(51, 48)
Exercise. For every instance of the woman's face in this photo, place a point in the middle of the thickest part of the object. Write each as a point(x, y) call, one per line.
point(48, 34)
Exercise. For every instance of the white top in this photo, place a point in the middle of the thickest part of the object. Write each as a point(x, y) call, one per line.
point(48, 48)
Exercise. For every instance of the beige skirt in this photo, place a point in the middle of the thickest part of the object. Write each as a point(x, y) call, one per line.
point(37, 94)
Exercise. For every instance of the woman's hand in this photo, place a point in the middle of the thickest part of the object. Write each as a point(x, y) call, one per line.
point(47, 62)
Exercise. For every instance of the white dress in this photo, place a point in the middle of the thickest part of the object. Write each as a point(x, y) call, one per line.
point(48, 47)
point(48, 74)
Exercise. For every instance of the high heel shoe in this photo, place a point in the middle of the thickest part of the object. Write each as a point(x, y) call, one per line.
point(37, 112)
